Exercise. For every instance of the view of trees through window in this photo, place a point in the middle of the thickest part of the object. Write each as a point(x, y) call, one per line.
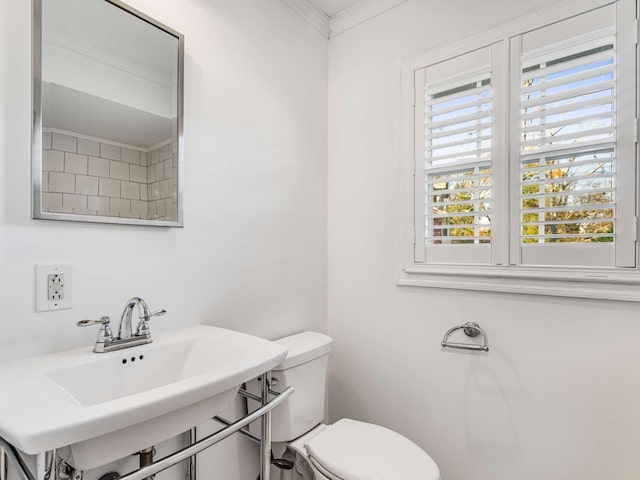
point(571, 199)
point(567, 154)
point(458, 183)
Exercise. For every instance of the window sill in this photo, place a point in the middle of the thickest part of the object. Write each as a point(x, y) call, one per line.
point(604, 284)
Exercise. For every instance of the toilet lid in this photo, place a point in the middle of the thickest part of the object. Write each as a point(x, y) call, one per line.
point(352, 450)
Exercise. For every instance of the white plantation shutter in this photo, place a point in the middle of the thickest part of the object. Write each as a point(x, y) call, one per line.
point(458, 164)
point(525, 154)
point(568, 169)
point(454, 123)
point(567, 148)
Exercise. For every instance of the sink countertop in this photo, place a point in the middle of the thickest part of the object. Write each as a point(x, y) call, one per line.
point(38, 412)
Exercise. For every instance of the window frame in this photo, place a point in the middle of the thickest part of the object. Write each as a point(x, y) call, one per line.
point(614, 283)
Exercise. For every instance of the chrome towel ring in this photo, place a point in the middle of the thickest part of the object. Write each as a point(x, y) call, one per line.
point(471, 329)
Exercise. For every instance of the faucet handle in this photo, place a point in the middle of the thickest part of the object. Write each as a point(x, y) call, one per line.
point(157, 313)
point(104, 334)
point(88, 323)
point(143, 325)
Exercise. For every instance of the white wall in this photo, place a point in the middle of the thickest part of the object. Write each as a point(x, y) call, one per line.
point(252, 255)
point(556, 398)
point(62, 66)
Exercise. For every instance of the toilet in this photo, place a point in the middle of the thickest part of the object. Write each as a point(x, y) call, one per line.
point(345, 450)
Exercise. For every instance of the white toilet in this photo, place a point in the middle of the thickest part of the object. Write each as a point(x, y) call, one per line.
point(346, 450)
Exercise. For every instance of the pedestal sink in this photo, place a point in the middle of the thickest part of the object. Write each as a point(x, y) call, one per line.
point(109, 405)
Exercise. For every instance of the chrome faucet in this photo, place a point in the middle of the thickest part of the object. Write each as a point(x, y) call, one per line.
point(142, 329)
point(106, 342)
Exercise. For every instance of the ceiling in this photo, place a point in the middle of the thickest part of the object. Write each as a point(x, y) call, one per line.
point(331, 7)
point(79, 112)
point(111, 31)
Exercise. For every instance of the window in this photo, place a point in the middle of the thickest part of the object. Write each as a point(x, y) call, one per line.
point(454, 138)
point(523, 157)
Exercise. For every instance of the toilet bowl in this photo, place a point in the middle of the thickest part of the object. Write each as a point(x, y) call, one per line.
point(345, 450)
point(352, 450)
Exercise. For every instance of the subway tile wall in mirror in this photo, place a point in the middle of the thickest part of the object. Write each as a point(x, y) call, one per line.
point(90, 177)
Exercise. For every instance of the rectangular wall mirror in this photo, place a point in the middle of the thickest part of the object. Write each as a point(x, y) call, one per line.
point(107, 141)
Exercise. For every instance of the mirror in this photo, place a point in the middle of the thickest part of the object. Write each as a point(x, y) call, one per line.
point(107, 116)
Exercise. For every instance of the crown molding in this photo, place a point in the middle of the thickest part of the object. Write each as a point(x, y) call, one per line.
point(359, 13)
point(80, 47)
point(317, 19)
point(344, 20)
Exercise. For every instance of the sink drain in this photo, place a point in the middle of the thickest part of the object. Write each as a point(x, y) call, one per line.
point(283, 463)
point(110, 476)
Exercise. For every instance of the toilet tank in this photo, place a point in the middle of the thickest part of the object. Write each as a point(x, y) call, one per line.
point(305, 369)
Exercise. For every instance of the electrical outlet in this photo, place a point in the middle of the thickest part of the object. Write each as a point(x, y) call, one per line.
point(53, 287)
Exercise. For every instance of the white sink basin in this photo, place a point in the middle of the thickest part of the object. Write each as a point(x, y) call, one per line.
point(104, 408)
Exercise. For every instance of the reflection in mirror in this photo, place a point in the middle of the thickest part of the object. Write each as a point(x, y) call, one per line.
point(110, 115)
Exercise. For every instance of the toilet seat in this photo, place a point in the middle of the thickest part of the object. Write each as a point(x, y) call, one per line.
point(352, 450)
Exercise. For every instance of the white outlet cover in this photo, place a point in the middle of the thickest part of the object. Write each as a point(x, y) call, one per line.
point(43, 304)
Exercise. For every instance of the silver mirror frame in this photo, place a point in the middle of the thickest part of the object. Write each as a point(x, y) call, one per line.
point(36, 128)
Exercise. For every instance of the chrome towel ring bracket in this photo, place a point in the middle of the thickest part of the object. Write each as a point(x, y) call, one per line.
point(471, 329)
